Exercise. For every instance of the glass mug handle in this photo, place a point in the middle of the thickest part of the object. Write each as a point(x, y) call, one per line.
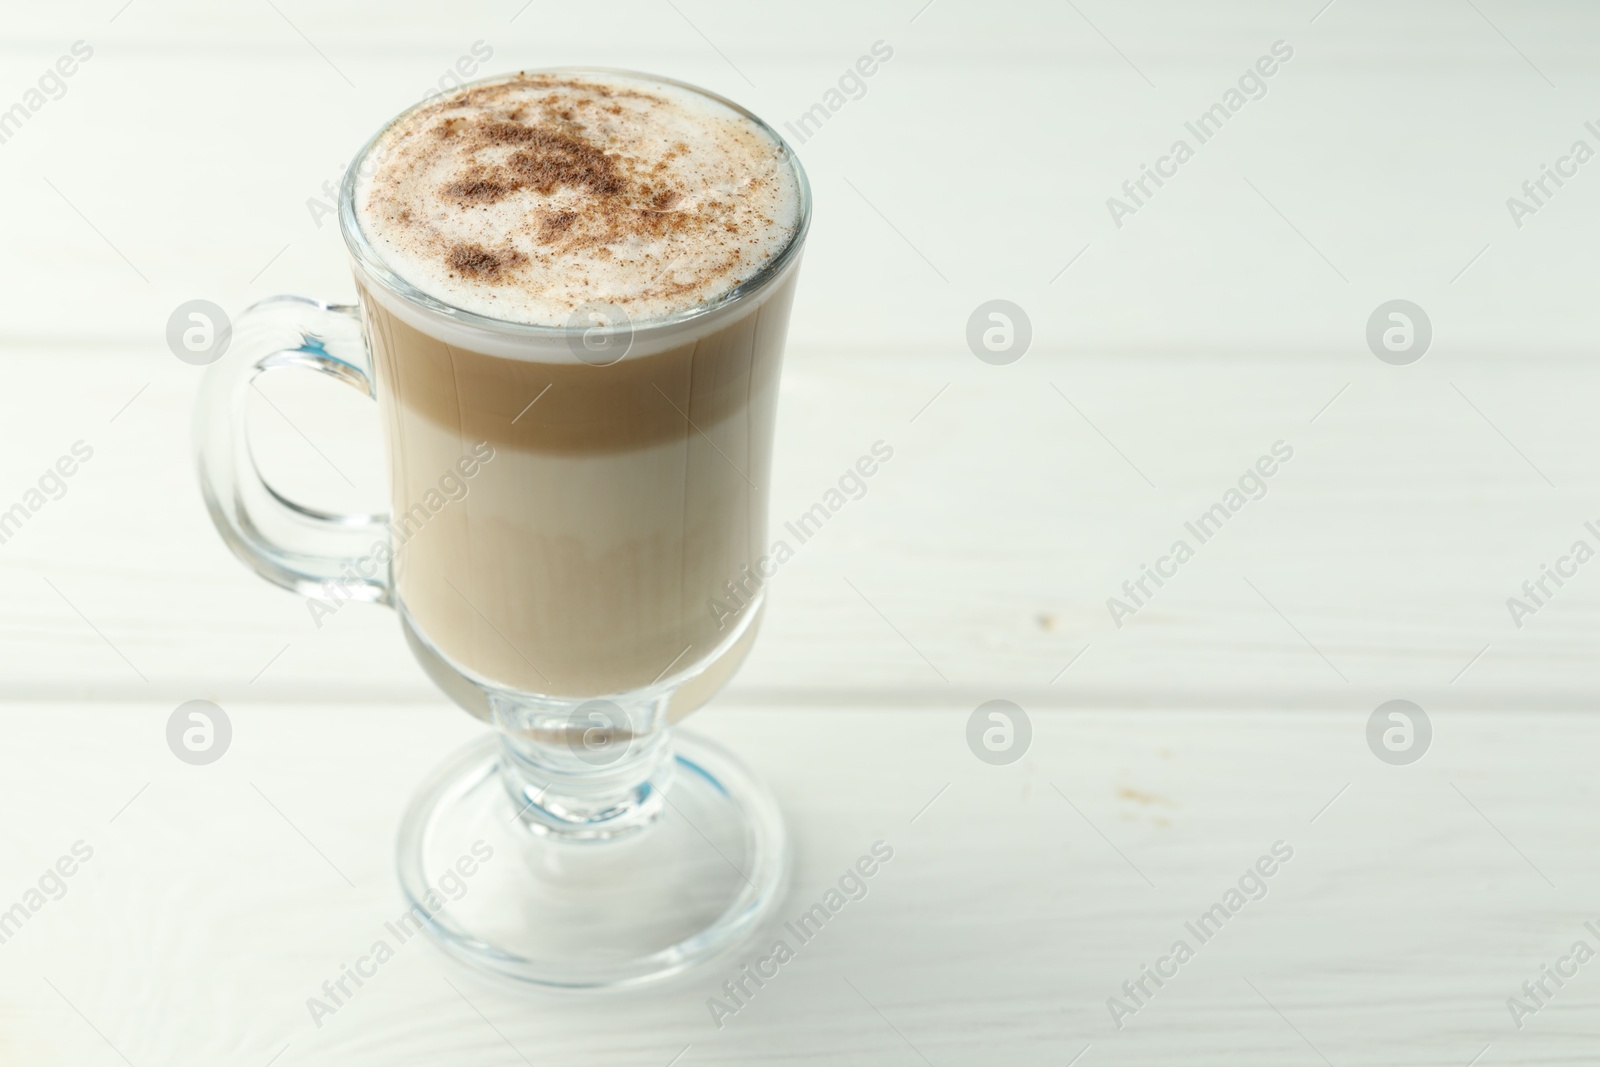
point(293, 545)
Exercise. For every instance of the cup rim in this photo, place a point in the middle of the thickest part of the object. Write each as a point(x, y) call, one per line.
point(373, 268)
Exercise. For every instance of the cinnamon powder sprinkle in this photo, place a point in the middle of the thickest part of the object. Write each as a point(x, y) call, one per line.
point(476, 261)
point(574, 174)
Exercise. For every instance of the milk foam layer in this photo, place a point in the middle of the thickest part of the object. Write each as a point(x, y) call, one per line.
point(528, 198)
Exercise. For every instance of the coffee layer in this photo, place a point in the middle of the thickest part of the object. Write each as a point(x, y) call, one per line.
point(575, 407)
point(621, 502)
point(530, 198)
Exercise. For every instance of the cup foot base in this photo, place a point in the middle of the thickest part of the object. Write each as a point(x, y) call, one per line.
point(591, 914)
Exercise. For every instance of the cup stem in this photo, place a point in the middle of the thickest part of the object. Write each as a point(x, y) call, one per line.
point(592, 771)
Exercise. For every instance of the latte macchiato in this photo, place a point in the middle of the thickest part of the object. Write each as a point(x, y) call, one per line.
point(574, 290)
point(644, 236)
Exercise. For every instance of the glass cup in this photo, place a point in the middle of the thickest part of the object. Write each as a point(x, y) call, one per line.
point(576, 551)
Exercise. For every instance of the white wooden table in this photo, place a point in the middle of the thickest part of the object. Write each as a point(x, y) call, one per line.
point(1168, 753)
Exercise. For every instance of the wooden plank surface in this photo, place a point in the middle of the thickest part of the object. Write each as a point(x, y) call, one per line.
point(1165, 361)
point(1415, 903)
point(1169, 355)
point(1378, 564)
point(978, 163)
